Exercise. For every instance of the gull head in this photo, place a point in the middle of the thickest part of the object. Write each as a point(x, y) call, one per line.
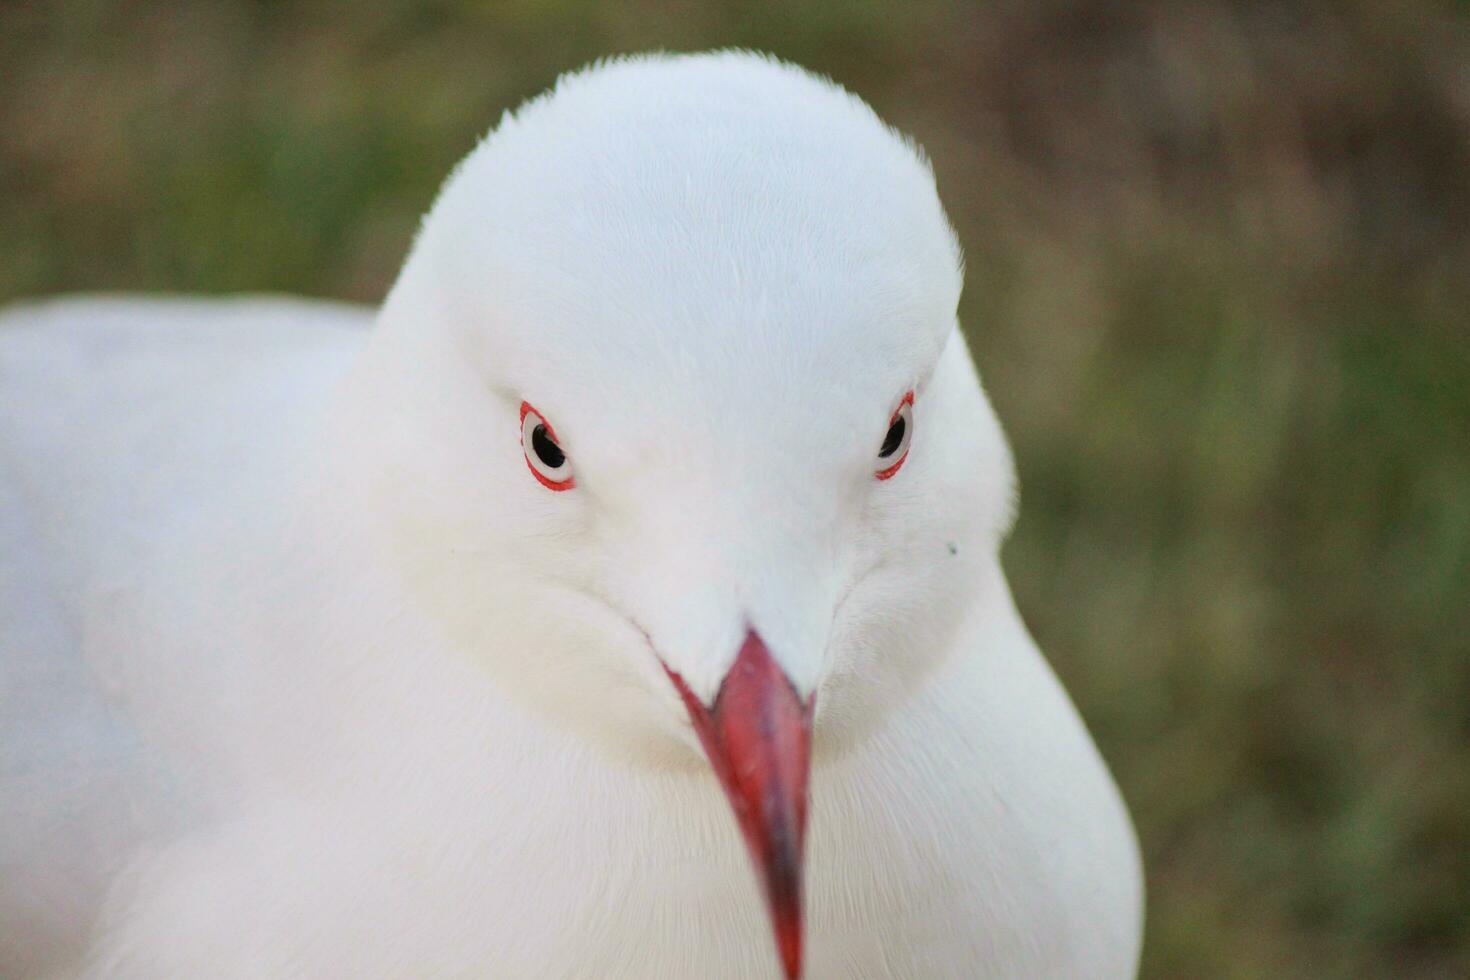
point(686, 448)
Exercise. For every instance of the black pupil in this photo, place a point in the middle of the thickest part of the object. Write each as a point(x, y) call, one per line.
point(893, 439)
point(546, 450)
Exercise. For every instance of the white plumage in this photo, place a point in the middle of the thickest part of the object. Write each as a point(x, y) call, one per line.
point(305, 674)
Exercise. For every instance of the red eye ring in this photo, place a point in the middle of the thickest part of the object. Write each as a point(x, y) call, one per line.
point(547, 471)
point(904, 411)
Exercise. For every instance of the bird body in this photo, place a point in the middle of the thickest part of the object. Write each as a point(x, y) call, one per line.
point(300, 677)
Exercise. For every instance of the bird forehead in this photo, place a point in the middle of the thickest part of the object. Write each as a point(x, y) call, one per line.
point(698, 209)
point(720, 413)
point(760, 275)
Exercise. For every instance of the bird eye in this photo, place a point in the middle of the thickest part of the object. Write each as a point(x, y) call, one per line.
point(895, 448)
point(544, 454)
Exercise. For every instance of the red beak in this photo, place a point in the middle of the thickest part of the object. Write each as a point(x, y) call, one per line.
point(758, 737)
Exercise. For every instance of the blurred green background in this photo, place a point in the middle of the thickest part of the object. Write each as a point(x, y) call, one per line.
point(1219, 289)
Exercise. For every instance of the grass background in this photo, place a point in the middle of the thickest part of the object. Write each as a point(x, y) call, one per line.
point(1219, 288)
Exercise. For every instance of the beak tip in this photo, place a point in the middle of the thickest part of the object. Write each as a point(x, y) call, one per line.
point(790, 943)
